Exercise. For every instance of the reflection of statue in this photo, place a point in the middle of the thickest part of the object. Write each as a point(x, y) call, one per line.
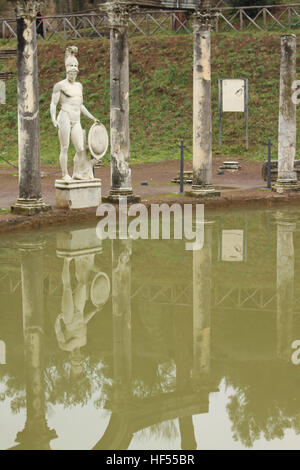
point(84, 293)
point(71, 324)
point(69, 93)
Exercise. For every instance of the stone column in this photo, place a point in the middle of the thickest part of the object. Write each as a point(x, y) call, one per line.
point(287, 177)
point(119, 102)
point(30, 190)
point(285, 285)
point(202, 122)
point(202, 284)
point(36, 434)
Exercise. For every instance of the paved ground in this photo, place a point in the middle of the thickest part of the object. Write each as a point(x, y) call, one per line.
point(245, 188)
point(158, 176)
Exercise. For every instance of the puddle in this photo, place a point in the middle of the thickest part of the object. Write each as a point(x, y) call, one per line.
point(141, 344)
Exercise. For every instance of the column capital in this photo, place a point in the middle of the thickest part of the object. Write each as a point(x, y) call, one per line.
point(28, 9)
point(117, 12)
point(204, 17)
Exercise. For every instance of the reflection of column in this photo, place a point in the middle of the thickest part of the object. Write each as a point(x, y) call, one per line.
point(202, 284)
point(182, 337)
point(202, 123)
point(36, 434)
point(30, 189)
point(285, 286)
point(119, 102)
point(121, 309)
point(2, 353)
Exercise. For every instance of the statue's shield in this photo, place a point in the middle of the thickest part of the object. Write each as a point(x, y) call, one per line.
point(98, 140)
point(100, 290)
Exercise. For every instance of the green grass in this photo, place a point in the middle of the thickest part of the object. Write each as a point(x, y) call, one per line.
point(160, 94)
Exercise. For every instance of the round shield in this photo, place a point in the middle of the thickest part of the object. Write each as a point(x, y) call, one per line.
point(100, 290)
point(98, 140)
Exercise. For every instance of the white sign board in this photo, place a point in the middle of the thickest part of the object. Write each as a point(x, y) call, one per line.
point(233, 95)
point(232, 245)
point(2, 92)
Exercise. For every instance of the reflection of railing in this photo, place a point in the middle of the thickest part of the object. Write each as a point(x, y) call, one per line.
point(181, 294)
point(153, 22)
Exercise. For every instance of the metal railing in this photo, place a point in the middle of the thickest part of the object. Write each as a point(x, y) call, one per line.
point(154, 22)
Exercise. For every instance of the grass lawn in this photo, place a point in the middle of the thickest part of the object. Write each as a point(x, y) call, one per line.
point(160, 94)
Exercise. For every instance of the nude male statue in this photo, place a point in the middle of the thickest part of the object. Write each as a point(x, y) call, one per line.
point(69, 93)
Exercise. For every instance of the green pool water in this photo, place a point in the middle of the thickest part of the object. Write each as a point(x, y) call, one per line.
point(141, 344)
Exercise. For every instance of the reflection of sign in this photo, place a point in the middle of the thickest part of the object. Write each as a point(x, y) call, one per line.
point(232, 245)
point(233, 95)
point(2, 353)
point(2, 92)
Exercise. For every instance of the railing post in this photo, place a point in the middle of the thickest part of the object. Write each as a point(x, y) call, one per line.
point(265, 18)
point(289, 17)
point(241, 19)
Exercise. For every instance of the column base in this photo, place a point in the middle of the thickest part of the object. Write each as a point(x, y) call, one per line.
point(115, 195)
point(203, 191)
point(29, 207)
point(283, 186)
point(78, 194)
point(38, 435)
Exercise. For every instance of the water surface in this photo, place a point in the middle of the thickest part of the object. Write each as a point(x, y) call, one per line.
point(144, 345)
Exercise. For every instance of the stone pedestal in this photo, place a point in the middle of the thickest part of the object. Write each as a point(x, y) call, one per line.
point(199, 191)
point(202, 122)
point(115, 195)
point(287, 177)
point(79, 194)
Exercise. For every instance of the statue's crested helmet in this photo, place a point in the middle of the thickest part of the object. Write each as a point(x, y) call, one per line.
point(71, 62)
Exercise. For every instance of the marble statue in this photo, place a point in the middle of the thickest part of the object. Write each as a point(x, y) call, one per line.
point(68, 93)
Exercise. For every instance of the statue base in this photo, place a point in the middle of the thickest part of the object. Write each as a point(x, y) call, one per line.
point(29, 207)
point(78, 194)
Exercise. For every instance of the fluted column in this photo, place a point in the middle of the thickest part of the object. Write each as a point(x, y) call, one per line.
point(30, 189)
point(121, 185)
point(202, 120)
point(287, 177)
